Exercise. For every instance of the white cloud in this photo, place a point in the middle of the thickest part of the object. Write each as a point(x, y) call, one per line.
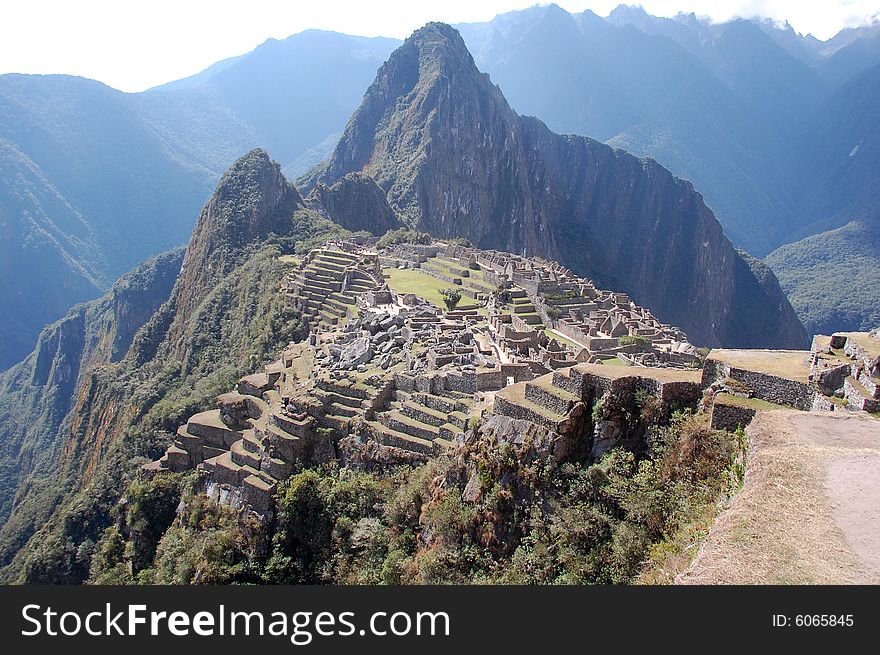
point(135, 45)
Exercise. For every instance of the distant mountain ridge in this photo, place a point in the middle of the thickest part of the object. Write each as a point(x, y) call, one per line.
point(773, 128)
point(94, 181)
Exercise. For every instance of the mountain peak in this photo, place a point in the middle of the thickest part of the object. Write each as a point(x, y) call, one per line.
point(253, 200)
point(438, 44)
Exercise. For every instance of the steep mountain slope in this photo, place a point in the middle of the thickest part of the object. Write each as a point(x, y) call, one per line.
point(455, 160)
point(651, 95)
point(832, 278)
point(42, 244)
point(831, 268)
point(770, 125)
point(111, 403)
point(36, 394)
point(356, 203)
point(841, 160)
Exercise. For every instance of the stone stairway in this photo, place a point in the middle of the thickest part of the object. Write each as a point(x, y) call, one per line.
point(421, 422)
point(325, 289)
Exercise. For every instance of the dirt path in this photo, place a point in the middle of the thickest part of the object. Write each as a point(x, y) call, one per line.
point(809, 512)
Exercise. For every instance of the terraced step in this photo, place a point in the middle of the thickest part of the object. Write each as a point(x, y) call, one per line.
point(459, 419)
point(328, 268)
point(212, 429)
point(569, 380)
point(345, 388)
point(250, 443)
point(342, 298)
point(390, 437)
point(858, 398)
point(439, 403)
point(336, 260)
point(531, 319)
point(328, 397)
point(316, 296)
point(513, 403)
point(329, 317)
point(424, 414)
point(341, 410)
point(335, 422)
point(460, 396)
point(190, 443)
point(401, 423)
point(243, 457)
point(290, 446)
point(542, 392)
point(332, 310)
point(226, 471)
point(176, 459)
point(313, 275)
point(871, 384)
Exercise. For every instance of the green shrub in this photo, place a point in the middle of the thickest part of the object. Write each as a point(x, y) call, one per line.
point(451, 298)
point(634, 340)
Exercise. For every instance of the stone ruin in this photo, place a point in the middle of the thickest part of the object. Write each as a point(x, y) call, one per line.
point(839, 373)
point(386, 378)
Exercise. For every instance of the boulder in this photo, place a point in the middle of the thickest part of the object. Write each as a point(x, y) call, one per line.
point(359, 351)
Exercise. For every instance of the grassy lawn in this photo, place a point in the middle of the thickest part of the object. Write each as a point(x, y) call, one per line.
point(289, 260)
point(615, 361)
point(562, 340)
point(749, 403)
point(408, 280)
point(791, 364)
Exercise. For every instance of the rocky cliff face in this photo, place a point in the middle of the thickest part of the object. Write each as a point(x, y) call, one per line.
point(356, 203)
point(36, 395)
point(455, 160)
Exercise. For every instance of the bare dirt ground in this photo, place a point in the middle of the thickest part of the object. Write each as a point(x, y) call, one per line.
point(809, 511)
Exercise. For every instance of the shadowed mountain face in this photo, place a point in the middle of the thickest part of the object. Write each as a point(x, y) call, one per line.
point(773, 128)
point(456, 160)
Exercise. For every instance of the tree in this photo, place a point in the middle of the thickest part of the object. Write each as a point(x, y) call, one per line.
point(450, 298)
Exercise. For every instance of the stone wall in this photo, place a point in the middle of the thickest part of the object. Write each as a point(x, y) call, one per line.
point(773, 389)
point(490, 380)
point(519, 372)
point(730, 417)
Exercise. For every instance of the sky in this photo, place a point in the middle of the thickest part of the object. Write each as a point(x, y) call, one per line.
point(133, 46)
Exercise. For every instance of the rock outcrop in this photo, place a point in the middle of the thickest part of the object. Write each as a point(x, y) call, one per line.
point(455, 160)
point(356, 203)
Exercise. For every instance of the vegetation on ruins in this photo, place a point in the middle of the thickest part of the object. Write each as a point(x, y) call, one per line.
point(524, 519)
point(403, 235)
point(634, 340)
point(451, 298)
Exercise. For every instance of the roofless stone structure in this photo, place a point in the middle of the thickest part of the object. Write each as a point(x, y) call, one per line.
point(389, 375)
